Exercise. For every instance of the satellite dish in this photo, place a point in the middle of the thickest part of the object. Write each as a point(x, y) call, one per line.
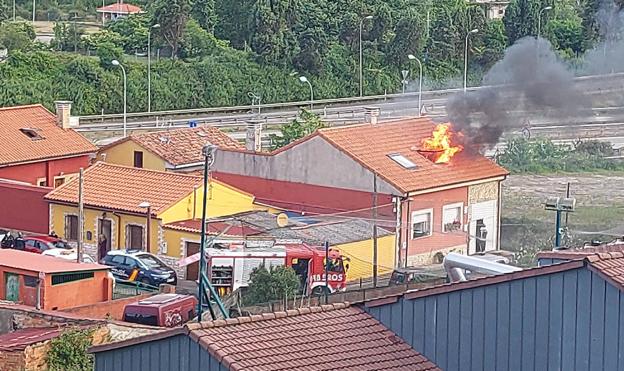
point(282, 220)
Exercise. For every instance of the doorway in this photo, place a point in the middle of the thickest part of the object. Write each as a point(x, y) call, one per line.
point(300, 266)
point(104, 229)
point(481, 236)
point(192, 270)
point(12, 287)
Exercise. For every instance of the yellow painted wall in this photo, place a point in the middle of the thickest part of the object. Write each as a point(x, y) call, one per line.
point(176, 239)
point(360, 256)
point(123, 154)
point(57, 224)
point(222, 201)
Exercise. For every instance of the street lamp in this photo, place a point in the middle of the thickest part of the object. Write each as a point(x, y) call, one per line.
point(413, 58)
point(146, 205)
point(361, 80)
point(466, 57)
point(305, 80)
point(539, 20)
point(149, 67)
point(115, 62)
point(34, 11)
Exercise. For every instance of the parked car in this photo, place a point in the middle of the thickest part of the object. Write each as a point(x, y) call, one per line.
point(139, 266)
point(39, 244)
point(68, 254)
point(165, 310)
point(432, 273)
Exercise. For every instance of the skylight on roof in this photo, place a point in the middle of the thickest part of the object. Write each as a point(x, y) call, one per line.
point(403, 161)
point(31, 133)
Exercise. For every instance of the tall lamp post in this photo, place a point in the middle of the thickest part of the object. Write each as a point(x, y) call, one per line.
point(34, 10)
point(149, 67)
point(146, 205)
point(305, 80)
point(209, 156)
point(115, 62)
point(466, 57)
point(361, 75)
point(413, 58)
point(539, 20)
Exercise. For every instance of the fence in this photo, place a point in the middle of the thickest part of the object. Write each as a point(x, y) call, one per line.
point(125, 289)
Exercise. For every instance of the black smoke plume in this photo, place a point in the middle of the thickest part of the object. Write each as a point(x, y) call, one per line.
point(529, 78)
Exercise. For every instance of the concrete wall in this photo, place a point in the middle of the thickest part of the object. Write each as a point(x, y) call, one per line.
point(309, 162)
point(570, 320)
point(22, 207)
point(107, 309)
point(48, 170)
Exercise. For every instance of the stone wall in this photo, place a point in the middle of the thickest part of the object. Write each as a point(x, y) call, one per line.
point(12, 361)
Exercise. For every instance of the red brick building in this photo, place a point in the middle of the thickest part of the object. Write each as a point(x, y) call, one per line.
point(51, 283)
point(39, 147)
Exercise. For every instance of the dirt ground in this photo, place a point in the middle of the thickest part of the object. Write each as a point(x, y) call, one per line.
point(527, 227)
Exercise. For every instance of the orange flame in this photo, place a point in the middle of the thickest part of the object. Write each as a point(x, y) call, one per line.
point(441, 141)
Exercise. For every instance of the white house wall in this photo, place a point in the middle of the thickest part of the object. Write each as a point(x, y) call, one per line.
point(312, 162)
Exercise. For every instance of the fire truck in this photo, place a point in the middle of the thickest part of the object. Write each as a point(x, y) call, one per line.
point(230, 264)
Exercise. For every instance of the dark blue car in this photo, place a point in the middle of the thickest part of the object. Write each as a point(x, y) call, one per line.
point(139, 266)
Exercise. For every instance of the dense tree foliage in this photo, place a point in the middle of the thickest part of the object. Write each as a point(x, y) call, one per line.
point(228, 48)
point(276, 283)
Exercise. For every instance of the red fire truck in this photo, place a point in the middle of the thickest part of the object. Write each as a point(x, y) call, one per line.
point(231, 262)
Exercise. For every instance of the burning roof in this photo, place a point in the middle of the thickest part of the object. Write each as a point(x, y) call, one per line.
point(412, 154)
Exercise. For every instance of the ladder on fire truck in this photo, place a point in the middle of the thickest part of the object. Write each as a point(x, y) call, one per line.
point(210, 293)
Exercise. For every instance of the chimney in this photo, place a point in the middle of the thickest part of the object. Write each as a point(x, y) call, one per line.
point(63, 113)
point(371, 115)
point(253, 139)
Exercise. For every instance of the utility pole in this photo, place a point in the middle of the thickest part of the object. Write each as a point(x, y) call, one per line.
point(374, 229)
point(80, 216)
point(326, 272)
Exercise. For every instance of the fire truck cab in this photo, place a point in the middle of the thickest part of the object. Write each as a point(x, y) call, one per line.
point(309, 264)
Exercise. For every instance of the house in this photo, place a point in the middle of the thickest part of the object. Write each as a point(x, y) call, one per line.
point(352, 237)
point(566, 316)
point(23, 207)
point(115, 206)
point(337, 336)
point(440, 207)
point(39, 147)
point(494, 9)
point(50, 283)
point(177, 150)
point(113, 11)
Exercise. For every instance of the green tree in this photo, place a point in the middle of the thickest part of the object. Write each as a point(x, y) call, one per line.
point(408, 39)
point(567, 35)
point(306, 124)
point(196, 41)
point(107, 52)
point(235, 20)
point(521, 18)
point(16, 36)
point(494, 44)
point(172, 16)
point(276, 283)
point(67, 36)
point(69, 351)
point(133, 31)
point(203, 11)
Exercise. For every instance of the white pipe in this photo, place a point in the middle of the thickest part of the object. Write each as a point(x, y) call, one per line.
point(455, 264)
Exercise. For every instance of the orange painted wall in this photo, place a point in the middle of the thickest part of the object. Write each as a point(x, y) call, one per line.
point(62, 296)
point(438, 240)
point(106, 309)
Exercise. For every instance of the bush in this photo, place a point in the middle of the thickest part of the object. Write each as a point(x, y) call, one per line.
point(69, 351)
point(277, 283)
point(16, 36)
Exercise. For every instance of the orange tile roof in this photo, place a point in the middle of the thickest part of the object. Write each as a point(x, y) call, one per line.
point(123, 188)
point(119, 9)
point(370, 145)
point(56, 142)
point(182, 146)
point(42, 263)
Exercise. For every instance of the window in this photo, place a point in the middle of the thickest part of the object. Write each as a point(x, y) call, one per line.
point(58, 279)
point(138, 159)
point(131, 263)
point(31, 133)
point(71, 227)
point(30, 281)
point(30, 243)
point(117, 259)
point(42, 182)
point(134, 237)
point(59, 181)
point(403, 161)
point(421, 223)
point(452, 217)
